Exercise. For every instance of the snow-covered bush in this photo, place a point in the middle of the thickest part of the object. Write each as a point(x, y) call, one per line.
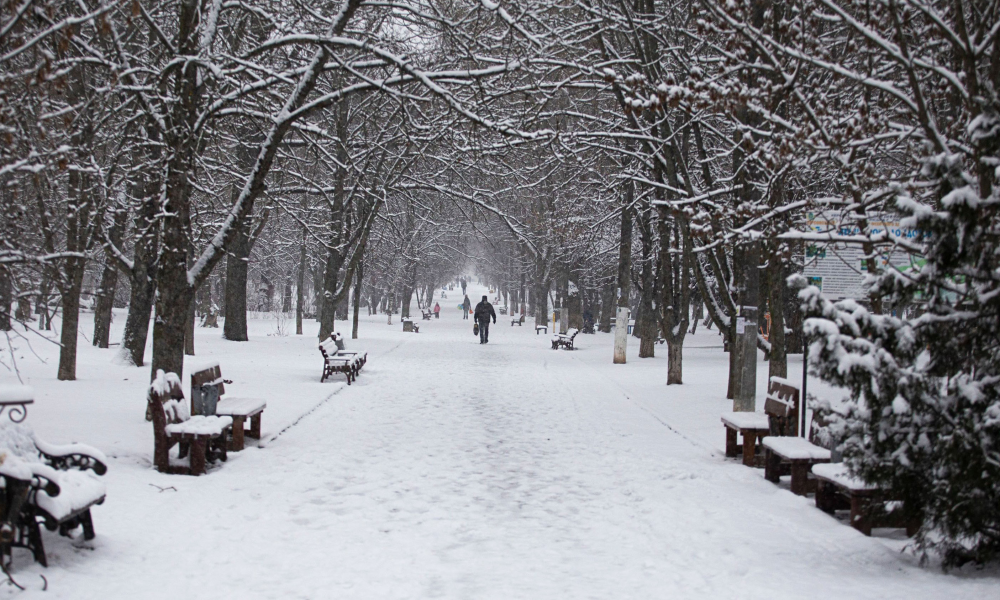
point(923, 421)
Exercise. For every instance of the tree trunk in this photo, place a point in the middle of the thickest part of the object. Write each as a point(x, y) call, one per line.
point(646, 322)
point(624, 272)
point(746, 394)
point(675, 354)
point(607, 308)
point(105, 302)
point(778, 366)
point(189, 331)
point(574, 304)
point(137, 322)
point(234, 328)
point(6, 298)
point(70, 318)
point(357, 298)
point(328, 310)
point(300, 285)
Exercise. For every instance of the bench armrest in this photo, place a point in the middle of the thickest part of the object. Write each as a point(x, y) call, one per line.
point(79, 456)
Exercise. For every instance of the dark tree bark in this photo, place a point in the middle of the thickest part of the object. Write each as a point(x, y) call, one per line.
point(778, 366)
point(607, 308)
point(234, 328)
point(71, 320)
point(359, 276)
point(109, 283)
point(104, 305)
point(646, 320)
point(675, 290)
point(299, 285)
point(6, 298)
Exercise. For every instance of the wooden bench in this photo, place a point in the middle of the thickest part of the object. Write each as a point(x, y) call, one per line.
point(793, 456)
point(837, 490)
point(517, 321)
point(502, 310)
point(565, 341)
point(336, 364)
point(200, 438)
point(780, 418)
point(337, 360)
point(753, 427)
point(410, 326)
point(784, 452)
point(208, 397)
point(427, 314)
point(49, 484)
point(539, 328)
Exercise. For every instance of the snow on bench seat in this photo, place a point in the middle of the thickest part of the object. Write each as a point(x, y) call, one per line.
point(745, 420)
point(838, 474)
point(13, 466)
point(78, 490)
point(200, 425)
point(16, 393)
point(242, 407)
point(796, 448)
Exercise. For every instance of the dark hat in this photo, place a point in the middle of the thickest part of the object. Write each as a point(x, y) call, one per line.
point(484, 299)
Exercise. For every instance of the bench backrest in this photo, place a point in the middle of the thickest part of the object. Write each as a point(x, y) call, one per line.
point(166, 401)
point(782, 407)
point(328, 348)
point(207, 386)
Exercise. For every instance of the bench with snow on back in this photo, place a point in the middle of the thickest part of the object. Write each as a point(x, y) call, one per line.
point(779, 418)
point(410, 326)
point(517, 321)
point(199, 438)
point(565, 341)
point(539, 328)
point(208, 397)
point(786, 454)
point(336, 360)
point(360, 358)
point(427, 314)
point(837, 489)
point(48, 484)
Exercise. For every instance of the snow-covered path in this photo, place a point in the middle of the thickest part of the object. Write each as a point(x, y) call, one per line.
point(455, 470)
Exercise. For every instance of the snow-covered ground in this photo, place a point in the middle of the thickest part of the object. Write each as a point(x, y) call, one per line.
point(451, 470)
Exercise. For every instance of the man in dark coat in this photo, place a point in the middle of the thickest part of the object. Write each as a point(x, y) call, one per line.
point(484, 310)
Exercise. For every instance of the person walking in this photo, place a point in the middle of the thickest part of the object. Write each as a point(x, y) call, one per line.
point(437, 310)
point(484, 310)
point(463, 288)
point(466, 307)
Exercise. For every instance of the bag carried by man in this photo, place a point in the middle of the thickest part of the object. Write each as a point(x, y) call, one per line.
point(475, 329)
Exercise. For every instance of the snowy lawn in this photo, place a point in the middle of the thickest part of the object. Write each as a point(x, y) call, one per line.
point(452, 470)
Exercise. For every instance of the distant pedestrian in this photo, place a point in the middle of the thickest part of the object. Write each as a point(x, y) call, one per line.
point(437, 310)
point(484, 310)
point(466, 307)
point(463, 287)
